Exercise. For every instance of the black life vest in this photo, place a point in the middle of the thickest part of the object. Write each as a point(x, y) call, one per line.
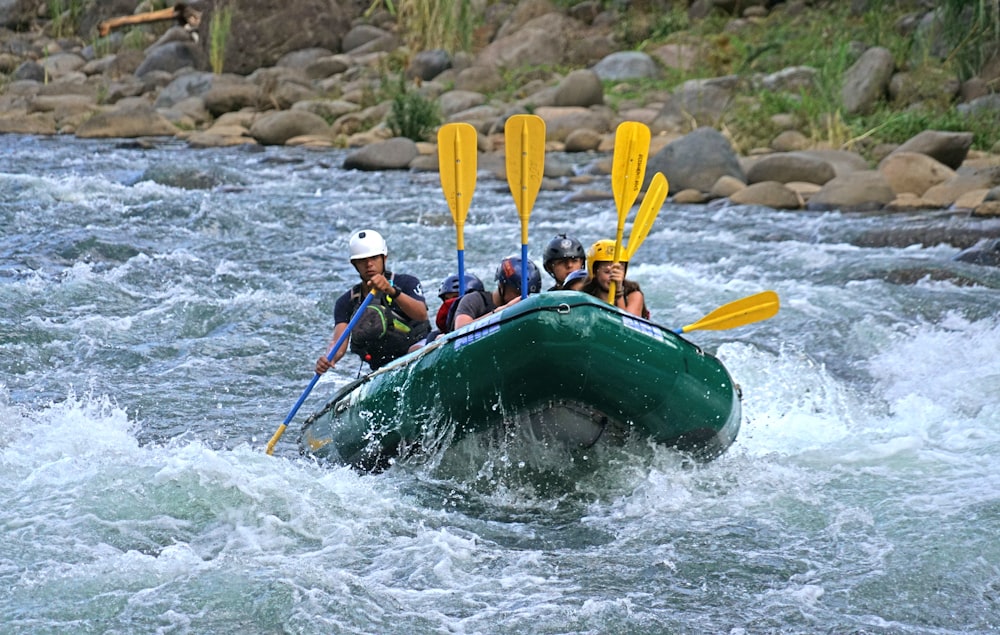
point(384, 332)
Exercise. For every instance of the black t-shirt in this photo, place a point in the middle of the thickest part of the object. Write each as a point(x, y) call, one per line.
point(349, 302)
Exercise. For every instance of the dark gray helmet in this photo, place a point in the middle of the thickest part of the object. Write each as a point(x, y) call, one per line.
point(561, 247)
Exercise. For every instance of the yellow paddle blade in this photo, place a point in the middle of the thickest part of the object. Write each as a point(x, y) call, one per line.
point(628, 170)
point(754, 308)
point(457, 155)
point(524, 140)
point(656, 193)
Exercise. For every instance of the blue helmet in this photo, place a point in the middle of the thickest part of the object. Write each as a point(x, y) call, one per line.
point(450, 284)
point(509, 274)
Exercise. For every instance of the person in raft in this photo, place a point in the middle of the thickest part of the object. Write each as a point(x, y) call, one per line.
point(394, 319)
point(603, 270)
point(479, 304)
point(448, 292)
point(445, 319)
point(575, 281)
point(562, 256)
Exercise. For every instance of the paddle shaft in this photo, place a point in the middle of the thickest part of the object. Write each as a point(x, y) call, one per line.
point(628, 170)
point(524, 139)
point(461, 200)
point(522, 204)
point(457, 154)
point(329, 357)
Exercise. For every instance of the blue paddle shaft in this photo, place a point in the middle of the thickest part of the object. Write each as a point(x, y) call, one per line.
point(524, 271)
point(461, 272)
point(329, 356)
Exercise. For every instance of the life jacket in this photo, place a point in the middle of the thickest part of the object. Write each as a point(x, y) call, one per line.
point(384, 332)
point(444, 313)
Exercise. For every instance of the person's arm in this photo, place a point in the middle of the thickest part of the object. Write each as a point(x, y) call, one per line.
point(466, 319)
point(633, 302)
point(461, 320)
point(415, 308)
point(470, 308)
point(509, 303)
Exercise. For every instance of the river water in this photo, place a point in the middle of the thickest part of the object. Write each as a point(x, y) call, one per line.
point(160, 312)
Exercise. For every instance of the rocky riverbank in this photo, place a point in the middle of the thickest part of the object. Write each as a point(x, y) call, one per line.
point(322, 94)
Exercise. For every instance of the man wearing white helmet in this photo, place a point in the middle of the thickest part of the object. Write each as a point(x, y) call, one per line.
point(396, 316)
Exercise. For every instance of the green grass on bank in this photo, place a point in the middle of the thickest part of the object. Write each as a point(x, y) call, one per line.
point(829, 39)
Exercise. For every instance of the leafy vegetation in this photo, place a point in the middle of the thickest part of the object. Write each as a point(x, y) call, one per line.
point(218, 30)
point(972, 28)
point(432, 24)
point(65, 16)
point(412, 115)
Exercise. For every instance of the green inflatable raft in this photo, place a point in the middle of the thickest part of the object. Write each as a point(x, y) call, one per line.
point(577, 370)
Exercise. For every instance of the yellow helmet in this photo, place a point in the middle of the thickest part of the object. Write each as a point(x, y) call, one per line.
point(603, 251)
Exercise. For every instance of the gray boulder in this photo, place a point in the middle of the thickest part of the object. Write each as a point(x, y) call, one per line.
point(302, 58)
point(62, 64)
point(31, 71)
point(139, 121)
point(767, 193)
point(700, 101)
point(866, 82)
point(328, 109)
point(426, 65)
point(278, 127)
point(329, 66)
point(842, 161)
point(561, 122)
point(580, 88)
point(172, 57)
point(264, 30)
point(17, 15)
point(231, 97)
point(455, 101)
point(541, 41)
point(479, 79)
point(950, 148)
point(985, 104)
point(913, 172)
point(361, 35)
point(41, 123)
point(985, 252)
point(785, 167)
point(862, 191)
point(626, 65)
point(696, 161)
point(191, 85)
point(965, 180)
point(583, 140)
point(392, 154)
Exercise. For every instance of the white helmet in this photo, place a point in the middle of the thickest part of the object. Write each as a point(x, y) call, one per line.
point(367, 243)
